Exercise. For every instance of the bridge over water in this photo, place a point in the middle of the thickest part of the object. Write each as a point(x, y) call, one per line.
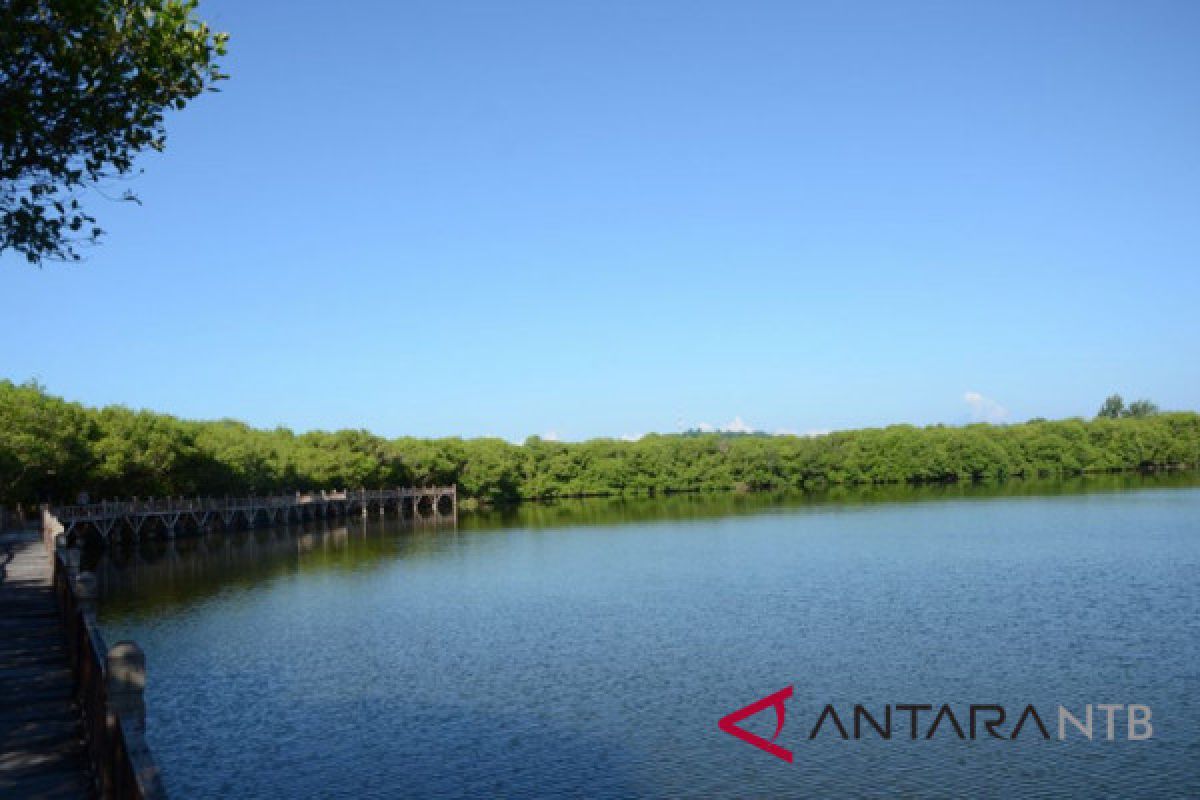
point(114, 520)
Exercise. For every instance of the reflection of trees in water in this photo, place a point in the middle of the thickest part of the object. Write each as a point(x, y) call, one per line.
point(705, 505)
point(182, 570)
point(155, 573)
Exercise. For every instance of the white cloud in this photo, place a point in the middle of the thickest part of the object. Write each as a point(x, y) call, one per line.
point(631, 437)
point(550, 436)
point(808, 434)
point(985, 409)
point(737, 425)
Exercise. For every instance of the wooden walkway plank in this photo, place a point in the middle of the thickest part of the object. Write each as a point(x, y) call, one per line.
point(41, 747)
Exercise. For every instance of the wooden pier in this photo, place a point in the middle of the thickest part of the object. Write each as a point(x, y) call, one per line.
point(166, 517)
point(72, 717)
point(42, 751)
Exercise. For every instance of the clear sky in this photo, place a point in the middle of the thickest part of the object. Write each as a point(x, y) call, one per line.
point(606, 218)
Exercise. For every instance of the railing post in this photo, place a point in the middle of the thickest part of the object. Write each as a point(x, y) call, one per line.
point(86, 592)
point(58, 571)
point(127, 682)
point(125, 687)
point(71, 560)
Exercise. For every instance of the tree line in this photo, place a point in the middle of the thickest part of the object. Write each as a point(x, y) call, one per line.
point(51, 449)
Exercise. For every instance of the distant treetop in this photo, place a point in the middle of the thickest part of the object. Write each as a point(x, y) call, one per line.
point(1114, 407)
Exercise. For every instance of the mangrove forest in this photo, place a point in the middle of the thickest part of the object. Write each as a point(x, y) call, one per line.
point(52, 449)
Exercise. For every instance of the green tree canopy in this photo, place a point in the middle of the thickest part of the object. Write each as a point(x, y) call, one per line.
point(1141, 408)
point(1113, 407)
point(83, 88)
point(50, 449)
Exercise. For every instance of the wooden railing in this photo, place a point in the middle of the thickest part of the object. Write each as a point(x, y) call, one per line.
point(109, 683)
point(111, 508)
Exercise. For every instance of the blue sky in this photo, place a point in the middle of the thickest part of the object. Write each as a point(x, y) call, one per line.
point(606, 218)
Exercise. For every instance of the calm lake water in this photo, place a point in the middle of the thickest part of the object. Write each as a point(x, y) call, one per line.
point(588, 649)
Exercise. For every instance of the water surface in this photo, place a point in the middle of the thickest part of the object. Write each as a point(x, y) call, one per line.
point(587, 649)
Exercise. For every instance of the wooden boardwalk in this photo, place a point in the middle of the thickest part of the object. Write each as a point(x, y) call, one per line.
point(42, 752)
point(71, 710)
point(130, 519)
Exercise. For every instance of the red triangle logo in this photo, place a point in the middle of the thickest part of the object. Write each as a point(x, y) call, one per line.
point(729, 723)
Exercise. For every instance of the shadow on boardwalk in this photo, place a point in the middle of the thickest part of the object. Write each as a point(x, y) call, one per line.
point(41, 747)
